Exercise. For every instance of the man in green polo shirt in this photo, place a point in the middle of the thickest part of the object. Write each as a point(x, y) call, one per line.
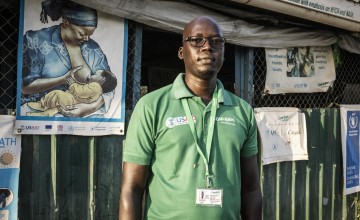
point(192, 144)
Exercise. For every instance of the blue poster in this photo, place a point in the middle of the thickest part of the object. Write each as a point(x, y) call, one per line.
point(9, 183)
point(350, 139)
point(352, 149)
point(10, 151)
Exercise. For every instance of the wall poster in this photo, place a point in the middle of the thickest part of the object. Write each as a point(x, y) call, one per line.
point(283, 134)
point(299, 70)
point(350, 139)
point(10, 152)
point(71, 70)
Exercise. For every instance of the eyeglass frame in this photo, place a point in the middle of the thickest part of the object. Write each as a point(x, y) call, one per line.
point(188, 39)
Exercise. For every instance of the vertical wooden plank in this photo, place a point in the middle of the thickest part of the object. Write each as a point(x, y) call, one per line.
point(108, 173)
point(333, 192)
point(53, 187)
point(277, 198)
point(34, 198)
point(293, 181)
point(269, 192)
point(284, 192)
point(73, 176)
point(307, 192)
point(26, 185)
point(299, 193)
point(314, 150)
point(91, 190)
point(320, 196)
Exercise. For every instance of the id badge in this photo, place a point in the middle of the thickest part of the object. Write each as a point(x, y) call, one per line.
point(209, 197)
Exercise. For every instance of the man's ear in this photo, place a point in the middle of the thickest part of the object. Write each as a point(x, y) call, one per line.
point(180, 53)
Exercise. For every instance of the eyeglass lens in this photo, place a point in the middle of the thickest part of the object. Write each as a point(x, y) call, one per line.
point(200, 41)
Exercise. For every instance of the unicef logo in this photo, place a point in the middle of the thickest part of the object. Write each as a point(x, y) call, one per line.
point(170, 122)
point(353, 121)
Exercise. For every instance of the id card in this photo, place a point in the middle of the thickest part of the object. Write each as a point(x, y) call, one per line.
point(209, 197)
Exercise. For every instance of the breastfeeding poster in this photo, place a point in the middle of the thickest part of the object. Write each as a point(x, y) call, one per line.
point(71, 70)
point(283, 134)
point(10, 151)
point(350, 140)
point(299, 70)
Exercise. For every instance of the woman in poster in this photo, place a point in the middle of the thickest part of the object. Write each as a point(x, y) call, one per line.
point(52, 55)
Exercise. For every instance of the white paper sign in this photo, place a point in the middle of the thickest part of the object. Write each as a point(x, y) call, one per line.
point(299, 70)
point(283, 134)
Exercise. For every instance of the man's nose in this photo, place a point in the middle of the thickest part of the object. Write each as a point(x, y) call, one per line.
point(207, 45)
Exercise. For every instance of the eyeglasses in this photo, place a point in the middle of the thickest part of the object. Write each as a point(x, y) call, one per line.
point(196, 41)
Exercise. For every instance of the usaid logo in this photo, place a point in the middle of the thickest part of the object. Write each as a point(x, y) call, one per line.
point(30, 127)
point(182, 120)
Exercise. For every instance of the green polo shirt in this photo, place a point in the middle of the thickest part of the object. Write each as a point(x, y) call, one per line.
point(159, 136)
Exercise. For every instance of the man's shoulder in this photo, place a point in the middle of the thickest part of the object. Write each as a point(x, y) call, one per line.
point(236, 100)
point(158, 94)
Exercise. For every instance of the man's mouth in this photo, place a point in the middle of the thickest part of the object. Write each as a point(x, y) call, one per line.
point(206, 59)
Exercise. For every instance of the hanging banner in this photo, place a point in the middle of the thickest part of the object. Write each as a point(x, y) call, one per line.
point(10, 151)
point(350, 140)
point(348, 9)
point(299, 70)
point(283, 134)
point(71, 70)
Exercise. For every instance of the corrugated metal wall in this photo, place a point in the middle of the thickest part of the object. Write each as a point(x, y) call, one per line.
point(70, 177)
point(311, 189)
point(73, 177)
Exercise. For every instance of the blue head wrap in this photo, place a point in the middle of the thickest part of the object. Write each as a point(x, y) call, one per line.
point(80, 15)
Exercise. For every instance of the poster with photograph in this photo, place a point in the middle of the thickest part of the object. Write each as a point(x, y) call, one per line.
point(10, 152)
point(350, 139)
point(299, 70)
point(71, 70)
point(283, 134)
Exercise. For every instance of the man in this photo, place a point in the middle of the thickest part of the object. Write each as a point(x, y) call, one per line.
point(192, 144)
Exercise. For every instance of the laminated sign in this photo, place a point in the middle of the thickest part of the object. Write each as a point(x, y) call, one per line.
point(299, 70)
point(350, 138)
point(283, 134)
point(10, 150)
point(70, 80)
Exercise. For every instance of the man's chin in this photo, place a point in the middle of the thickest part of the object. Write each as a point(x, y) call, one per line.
point(207, 74)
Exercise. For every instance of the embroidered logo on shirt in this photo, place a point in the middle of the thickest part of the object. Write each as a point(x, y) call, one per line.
point(182, 120)
point(225, 120)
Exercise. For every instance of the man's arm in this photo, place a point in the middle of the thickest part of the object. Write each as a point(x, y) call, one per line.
point(134, 179)
point(251, 198)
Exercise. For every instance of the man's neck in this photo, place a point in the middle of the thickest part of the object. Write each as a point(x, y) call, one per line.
point(200, 87)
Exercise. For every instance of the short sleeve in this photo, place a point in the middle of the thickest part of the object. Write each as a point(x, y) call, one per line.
point(139, 143)
point(250, 147)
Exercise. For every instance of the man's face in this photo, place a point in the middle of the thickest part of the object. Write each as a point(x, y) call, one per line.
point(203, 62)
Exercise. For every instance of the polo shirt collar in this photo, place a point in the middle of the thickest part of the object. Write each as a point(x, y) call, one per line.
point(179, 90)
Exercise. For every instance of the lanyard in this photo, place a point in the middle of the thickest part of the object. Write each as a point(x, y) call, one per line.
point(214, 103)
